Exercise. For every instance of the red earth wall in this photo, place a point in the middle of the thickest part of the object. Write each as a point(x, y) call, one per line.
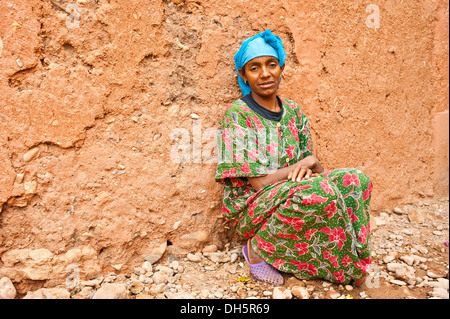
point(93, 92)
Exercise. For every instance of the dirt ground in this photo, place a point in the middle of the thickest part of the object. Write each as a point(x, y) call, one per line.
point(414, 236)
point(409, 231)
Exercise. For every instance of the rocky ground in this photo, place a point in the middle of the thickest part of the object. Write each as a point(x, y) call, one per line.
point(410, 261)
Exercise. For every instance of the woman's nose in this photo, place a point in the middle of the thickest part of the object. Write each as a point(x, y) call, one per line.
point(265, 72)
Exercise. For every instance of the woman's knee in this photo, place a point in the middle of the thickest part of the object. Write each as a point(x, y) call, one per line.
point(364, 180)
point(324, 189)
point(350, 176)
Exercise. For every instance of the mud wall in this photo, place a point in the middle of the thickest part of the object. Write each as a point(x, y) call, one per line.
point(97, 95)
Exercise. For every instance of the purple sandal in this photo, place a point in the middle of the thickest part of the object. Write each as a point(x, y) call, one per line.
point(263, 271)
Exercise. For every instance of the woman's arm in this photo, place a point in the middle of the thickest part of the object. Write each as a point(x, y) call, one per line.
point(304, 169)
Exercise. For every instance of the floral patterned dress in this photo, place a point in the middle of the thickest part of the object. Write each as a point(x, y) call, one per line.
point(316, 228)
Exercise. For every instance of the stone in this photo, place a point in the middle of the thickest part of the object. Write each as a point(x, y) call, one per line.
point(433, 275)
point(388, 259)
point(139, 271)
point(194, 258)
point(27, 263)
point(232, 269)
point(94, 282)
point(300, 292)
point(218, 257)
point(117, 266)
point(7, 289)
point(408, 232)
point(416, 217)
point(398, 210)
point(210, 249)
point(403, 272)
point(393, 266)
point(348, 287)
point(218, 294)
point(19, 63)
point(145, 280)
point(439, 293)
point(397, 282)
point(380, 221)
point(292, 281)
point(332, 294)
point(19, 178)
point(169, 271)
point(176, 224)
point(147, 266)
point(157, 289)
point(85, 293)
point(384, 215)
point(174, 278)
point(30, 155)
point(421, 249)
point(195, 237)
point(136, 287)
point(174, 265)
point(48, 293)
point(160, 278)
point(155, 253)
point(110, 278)
point(440, 283)
point(409, 260)
point(419, 259)
point(112, 291)
point(30, 187)
point(281, 293)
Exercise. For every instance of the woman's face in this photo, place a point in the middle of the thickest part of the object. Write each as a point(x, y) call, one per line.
point(263, 75)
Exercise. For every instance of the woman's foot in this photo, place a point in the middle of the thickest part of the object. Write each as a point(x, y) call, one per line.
point(252, 256)
point(261, 270)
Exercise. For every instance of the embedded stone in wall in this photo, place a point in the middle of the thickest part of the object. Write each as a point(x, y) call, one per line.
point(42, 264)
point(7, 289)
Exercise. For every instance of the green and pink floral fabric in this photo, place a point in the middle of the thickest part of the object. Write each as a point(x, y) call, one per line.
point(317, 228)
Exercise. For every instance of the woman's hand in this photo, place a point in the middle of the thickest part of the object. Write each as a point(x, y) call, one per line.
point(305, 169)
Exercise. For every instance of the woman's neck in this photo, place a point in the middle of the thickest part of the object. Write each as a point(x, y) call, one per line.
point(270, 102)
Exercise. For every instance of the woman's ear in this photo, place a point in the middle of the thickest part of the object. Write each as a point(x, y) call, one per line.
point(282, 68)
point(242, 74)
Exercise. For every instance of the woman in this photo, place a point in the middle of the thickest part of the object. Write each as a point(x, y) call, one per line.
point(297, 217)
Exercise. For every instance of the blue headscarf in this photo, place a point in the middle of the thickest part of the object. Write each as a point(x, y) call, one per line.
point(262, 44)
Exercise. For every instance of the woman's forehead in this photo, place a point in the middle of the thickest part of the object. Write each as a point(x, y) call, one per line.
point(262, 60)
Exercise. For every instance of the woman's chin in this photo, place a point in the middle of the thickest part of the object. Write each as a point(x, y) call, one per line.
point(264, 93)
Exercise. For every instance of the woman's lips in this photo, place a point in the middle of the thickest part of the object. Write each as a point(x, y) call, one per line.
point(266, 85)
